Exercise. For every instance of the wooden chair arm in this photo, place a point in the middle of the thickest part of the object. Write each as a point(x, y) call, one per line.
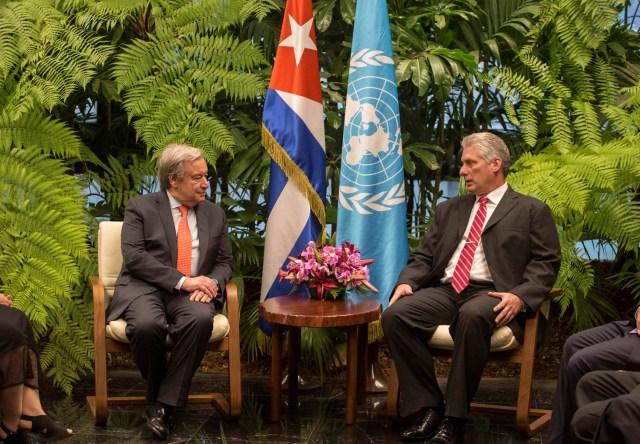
point(99, 312)
point(233, 306)
point(546, 304)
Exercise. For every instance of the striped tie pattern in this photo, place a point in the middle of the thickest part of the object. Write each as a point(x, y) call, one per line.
point(463, 267)
point(184, 243)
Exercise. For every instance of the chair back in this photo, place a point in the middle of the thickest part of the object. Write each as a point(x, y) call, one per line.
point(109, 256)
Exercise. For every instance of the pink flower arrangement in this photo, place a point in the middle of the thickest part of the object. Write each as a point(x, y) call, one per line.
point(329, 269)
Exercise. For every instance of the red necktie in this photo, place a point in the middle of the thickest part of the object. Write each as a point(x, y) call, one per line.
point(184, 243)
point(463, 267)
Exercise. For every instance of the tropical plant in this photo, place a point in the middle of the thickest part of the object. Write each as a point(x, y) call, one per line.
point(45, 57)
point(566, 99)
point(43, 247)
point(441, 51)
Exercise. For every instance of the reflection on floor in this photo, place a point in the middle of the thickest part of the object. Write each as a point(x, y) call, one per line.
point(318, 417)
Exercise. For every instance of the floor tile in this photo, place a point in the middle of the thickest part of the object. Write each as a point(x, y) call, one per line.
point(318, 416)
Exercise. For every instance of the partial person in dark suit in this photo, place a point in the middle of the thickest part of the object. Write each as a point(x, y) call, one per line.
point(608, 408)
point(613, 346)
point(154, 297)
point(20, 380)
point(510, 260)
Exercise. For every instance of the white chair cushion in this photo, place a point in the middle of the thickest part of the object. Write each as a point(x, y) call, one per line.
point(109, 256)
point(116, 330)
point(501, 340)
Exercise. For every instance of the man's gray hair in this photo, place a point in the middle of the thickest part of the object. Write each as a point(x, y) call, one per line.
point(489, 147)
point(171, 162)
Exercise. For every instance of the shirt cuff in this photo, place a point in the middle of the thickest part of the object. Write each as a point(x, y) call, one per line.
point(180, 282)
point(524, 306)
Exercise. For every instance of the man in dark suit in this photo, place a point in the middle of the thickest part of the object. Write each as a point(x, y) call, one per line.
point(509, 259)
point(154, 297)
point(608, 408)
point(613, 346)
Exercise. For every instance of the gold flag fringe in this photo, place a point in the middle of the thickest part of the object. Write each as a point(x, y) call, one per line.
point(294, 174)
point(375, 331)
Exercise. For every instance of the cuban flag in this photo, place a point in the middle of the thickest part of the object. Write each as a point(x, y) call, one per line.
point(293, 135)
point(372, 204)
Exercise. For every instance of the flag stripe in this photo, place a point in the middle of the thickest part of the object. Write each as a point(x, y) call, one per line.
point(293, 135)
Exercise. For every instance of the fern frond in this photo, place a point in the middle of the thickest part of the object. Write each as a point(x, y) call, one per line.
point(55, 56)
point(615, 217)
point(529, 116)
point(173, 82)
point(39, 131)
point(513, 84)
point(586, 124)
point(42, 234)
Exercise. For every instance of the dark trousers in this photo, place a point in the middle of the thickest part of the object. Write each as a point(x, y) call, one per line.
point(608, 408)
point(607, 347)
point(411, 321)
point(189, 324)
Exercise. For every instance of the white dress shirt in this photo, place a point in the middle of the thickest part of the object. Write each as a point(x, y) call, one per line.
point(479, 268)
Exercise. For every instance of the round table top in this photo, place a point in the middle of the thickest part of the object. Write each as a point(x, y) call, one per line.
point(298, 310)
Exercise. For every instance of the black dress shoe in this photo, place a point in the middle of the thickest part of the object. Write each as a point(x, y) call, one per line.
point(161, 420)
point(424, 428)
point(449, 432)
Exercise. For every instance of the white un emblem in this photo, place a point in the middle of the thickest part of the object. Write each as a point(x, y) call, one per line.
point(372, 147)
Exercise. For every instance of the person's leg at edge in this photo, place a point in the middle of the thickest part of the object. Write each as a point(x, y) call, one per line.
point(34, 419)
point(606, 347)
point(11, 403)
point(620, 421)
point(593, 394)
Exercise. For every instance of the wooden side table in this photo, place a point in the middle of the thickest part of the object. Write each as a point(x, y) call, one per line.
point(297, 310)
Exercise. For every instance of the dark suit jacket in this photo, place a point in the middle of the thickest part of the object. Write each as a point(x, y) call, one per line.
point(520, 244)
point(149, 250)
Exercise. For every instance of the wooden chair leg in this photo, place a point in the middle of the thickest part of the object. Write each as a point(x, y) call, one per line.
point(393, 394)
point(524, 426)
point(230, 410)
point(98, 404)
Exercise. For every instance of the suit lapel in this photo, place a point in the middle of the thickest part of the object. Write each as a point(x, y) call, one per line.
point(507, 203)
point(203, 233)
point(464, 213)
point(164, 214)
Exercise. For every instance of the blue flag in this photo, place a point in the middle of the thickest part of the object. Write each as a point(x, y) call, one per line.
point(293, 135)
point(372, 203)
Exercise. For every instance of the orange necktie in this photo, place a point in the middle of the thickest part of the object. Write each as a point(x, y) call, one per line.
point(184, 243)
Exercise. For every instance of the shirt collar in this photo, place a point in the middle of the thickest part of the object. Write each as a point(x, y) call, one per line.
point(496, 195)
point(173, 203)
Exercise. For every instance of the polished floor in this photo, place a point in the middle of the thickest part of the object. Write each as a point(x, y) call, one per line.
point(318, 417)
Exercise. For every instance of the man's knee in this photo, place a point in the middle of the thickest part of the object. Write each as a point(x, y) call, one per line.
point(470, 316)
point(621, 409)
point(389, 318)
point(583, 425)
point(589, 382)
point(582, 363)
point(146, 328)
point(201, 320)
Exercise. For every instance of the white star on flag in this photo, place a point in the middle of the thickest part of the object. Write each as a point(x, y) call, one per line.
point(299, 39)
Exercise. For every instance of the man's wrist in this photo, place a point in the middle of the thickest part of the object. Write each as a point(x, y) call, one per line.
point(180, 282)
point(524, 305)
